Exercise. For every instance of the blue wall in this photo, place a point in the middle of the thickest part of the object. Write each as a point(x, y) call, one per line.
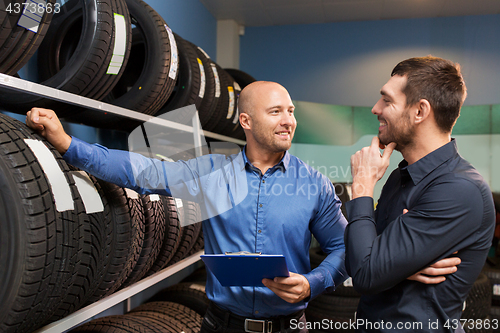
point(190, 20)
point(346, 63)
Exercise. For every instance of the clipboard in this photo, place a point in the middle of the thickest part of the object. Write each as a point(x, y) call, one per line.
point(244, 268)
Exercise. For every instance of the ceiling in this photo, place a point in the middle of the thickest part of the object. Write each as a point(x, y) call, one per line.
point(282, 12)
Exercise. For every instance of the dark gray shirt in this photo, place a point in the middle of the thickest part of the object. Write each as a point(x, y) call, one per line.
point(450, 208)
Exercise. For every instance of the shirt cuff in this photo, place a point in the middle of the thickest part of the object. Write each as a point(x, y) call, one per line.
point(317, 281)
point(360, 209)
point(78, 152)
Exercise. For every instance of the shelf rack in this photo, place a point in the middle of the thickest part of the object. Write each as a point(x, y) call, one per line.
point(32, 88)
point(82, 315)
point(152, 283)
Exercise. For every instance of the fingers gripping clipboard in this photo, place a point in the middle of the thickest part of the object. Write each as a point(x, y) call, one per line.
point(244, 268)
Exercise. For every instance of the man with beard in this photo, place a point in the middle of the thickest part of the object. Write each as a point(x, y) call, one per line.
point(265, 199)
point(435, 205)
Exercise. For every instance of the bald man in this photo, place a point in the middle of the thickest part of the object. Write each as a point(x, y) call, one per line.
point(266, 201)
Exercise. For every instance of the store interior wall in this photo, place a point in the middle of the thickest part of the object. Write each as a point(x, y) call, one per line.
point(334, 73)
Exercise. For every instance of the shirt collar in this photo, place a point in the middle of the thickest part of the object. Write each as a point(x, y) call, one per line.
point(285, 161)
point(424, 166)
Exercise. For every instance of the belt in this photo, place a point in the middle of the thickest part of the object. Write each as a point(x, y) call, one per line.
point(254, 325)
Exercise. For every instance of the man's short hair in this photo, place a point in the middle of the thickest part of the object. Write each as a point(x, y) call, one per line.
point(437, 80)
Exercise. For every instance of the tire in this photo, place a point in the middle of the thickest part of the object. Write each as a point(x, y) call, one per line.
point(478, 302)
point(17, 43)
point(41, 244)
point(243, 79)
point(493, 273)
point(78, 66)
point(120, 324)
point(143, 88)
point(189, 294)
point(233, 127)
point(176, 311)
point(208, 86)
point(187, 90)
point(191, 226)
point(90, 268)
point(154, 233)
point(125, 243)
point(199, 275)
point(225, 105)
point(101, 226)
point(166, 323)
point(199, 244)
point(172, 235)
point(477, 325)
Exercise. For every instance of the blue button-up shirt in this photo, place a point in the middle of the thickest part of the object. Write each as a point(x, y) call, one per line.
point(243, 210)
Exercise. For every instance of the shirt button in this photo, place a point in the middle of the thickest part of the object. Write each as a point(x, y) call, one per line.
point(260, 205)
point(260, 231)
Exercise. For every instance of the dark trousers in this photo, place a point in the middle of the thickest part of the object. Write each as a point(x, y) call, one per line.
point(218, 320)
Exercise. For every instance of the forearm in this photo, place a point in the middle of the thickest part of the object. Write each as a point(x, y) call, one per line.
point(116, 166)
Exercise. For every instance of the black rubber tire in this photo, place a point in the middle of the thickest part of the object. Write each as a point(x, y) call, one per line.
point(199, 244)
point(243, 78)
point(102, 227)
point(477, 325)
point(190, 294)
point(199, 275)
point(90, 269)
point(343, 194)
point(17, 44)
point(40, 246)
point(224, 107)
point(495, 313)
point(478, 302)
point(187, 88)
point(316, 256)
point(492, 271)
point(208, 86)
point(149, 76)
point(166, 323)
point(174, 310)
point(154, 233)
point(189, 232)
point(125, 244)
point(138, 212)
point(82, 68)
point(119, 324)
point(233, 127)
point(171, 238)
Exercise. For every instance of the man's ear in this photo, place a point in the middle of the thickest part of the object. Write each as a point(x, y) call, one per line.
point(245, 121)
point(423, 111)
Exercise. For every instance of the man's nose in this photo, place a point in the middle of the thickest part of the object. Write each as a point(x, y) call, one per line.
point(287, 119)
point(376, 108)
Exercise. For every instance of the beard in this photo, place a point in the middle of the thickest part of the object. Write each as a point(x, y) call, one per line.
point(401, 133)
point(270, 142)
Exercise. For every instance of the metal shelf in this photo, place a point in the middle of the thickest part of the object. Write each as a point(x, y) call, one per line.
point(32, 88)
point(80, 316)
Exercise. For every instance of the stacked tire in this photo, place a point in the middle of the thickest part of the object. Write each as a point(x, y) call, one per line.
point(63, 248)
point(43, 231)
point(121, 52)
point(149, 317)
